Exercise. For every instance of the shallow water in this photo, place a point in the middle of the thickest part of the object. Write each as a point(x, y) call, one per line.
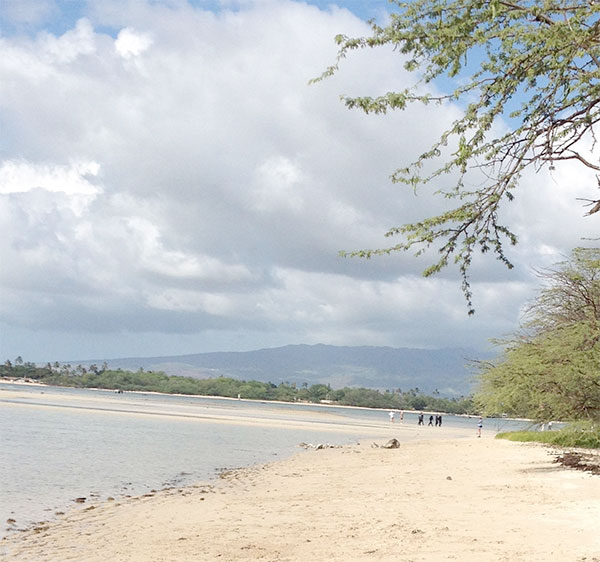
point(60, 444)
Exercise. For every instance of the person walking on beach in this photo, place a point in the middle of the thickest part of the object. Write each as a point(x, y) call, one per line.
point(440, 420)
point(421, 422)
point(430, 421)
point(479, 427)
point(391, 414)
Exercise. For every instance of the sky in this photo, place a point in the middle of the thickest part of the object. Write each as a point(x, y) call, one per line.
point(170, 183)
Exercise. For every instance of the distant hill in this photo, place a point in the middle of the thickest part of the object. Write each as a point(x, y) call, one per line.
point(444, 370)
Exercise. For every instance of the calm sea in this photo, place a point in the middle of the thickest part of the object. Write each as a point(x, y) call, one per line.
point(59, 444)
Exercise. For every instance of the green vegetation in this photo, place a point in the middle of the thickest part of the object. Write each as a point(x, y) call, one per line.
point(551, 369)
point(148, 381)
point(532, 65)
point(574, 435)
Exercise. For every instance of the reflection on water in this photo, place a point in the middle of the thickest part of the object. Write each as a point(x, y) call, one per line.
point(60, 444)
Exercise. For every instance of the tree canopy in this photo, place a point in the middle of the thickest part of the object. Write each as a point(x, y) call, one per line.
point(535, 65)
point(571, 294)
point(551, 370)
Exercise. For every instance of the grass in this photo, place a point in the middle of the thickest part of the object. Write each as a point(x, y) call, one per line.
point(581, 434)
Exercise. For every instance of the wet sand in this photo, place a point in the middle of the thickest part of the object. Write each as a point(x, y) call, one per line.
point(464, 499)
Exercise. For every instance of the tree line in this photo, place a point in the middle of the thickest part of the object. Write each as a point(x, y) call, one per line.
point(157, 381)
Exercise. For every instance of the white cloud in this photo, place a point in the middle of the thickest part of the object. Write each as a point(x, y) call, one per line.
point(190, 301)
point(130, 43)
point(75, 43)
point(277, 186)
point(19, 176)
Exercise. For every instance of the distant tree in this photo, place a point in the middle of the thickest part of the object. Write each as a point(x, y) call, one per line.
point(418, 403)
point(551, 369)
point(533, 64)
point(318, 392)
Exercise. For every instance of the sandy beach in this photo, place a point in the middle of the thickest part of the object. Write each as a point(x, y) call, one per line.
point(463, 499)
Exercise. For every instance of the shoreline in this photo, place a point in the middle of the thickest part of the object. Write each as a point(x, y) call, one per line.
point(473, 500)
point(196, 420)
point(252, 400)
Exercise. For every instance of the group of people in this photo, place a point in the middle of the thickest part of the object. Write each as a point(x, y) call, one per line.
point(437, 419)
point(433, 420)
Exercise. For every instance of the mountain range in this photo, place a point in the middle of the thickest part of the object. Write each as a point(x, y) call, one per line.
point(447, 371)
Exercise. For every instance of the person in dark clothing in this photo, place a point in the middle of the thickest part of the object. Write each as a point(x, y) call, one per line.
point(430, 421)
point(421, 422)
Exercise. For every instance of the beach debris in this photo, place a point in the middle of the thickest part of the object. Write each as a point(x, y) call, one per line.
point(391, 444)
point(79, 500)
point(586, 462)
point(448, 477)
point(318, 446)
point(232, 473)
point(11, 521)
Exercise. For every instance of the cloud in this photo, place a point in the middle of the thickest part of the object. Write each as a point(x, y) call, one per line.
point(169, 175)
point(19, 176)
point(27, 12)
point(130, 44)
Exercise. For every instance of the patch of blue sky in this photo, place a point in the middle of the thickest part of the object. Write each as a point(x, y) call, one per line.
point(29, 17)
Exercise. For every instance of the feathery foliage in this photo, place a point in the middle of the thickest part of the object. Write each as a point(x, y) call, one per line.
point(532, 64)
point(552, 372)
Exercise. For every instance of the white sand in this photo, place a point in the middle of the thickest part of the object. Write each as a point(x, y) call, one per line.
point(455, 499)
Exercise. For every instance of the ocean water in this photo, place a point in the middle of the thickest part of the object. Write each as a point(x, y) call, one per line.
point(59, 444)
